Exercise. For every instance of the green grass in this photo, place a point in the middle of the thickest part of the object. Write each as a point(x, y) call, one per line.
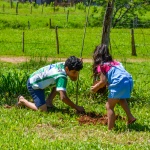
point(13, 80)
point(26, 129)
point(43, 42)
point(39, 19)
point(59, 128)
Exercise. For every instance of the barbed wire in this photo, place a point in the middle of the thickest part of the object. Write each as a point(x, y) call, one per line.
point(59, 21)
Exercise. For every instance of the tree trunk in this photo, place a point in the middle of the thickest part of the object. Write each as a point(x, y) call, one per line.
point(107, 23)
point(133, 43)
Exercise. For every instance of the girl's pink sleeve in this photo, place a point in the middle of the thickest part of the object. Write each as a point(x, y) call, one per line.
point(98, 69)
point(101, 68)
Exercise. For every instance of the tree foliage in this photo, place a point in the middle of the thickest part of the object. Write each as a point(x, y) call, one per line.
point(126, 12)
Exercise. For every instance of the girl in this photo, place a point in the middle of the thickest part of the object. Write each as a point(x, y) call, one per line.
point(118, 80)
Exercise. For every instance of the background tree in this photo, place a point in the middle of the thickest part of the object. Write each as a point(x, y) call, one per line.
point(125, 11)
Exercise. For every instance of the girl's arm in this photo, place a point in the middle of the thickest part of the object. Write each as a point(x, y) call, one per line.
point(101, 83)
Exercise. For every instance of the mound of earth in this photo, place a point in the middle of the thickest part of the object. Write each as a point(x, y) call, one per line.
point(93, 118)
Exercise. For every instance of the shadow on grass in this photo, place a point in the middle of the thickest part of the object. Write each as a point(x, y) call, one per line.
point(139, 127)
point(62, 110)
point(133, 127)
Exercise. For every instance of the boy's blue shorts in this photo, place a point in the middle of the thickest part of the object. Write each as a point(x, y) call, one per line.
point(37, 95)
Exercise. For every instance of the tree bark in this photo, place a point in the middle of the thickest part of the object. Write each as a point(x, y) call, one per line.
point(107, 23)
point(133, 43)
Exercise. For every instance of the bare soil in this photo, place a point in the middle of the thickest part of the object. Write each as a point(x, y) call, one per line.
point(21, 59)
point(93, 118)
point(88, 118)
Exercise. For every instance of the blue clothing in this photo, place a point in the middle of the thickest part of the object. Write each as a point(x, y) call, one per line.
point(37, 95)
point(120, 82)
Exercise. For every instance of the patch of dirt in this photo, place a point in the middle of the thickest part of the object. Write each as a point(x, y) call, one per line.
point(21, 59)
point(93, 118)
point(14, 60)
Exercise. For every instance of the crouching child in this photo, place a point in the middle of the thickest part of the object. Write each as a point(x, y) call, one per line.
point(54, 75)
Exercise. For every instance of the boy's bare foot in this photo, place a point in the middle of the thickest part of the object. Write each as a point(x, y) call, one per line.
point(19, 102)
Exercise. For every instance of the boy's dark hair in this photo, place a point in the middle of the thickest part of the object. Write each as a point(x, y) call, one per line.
point(74, 63)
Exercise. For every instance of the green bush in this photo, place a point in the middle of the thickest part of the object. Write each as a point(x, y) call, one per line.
point(13, 83)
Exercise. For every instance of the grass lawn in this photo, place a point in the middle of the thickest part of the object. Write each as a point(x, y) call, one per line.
point(60, 127)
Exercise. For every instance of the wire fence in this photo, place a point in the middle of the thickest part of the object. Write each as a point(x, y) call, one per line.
point(51, 30)
point(69, 41)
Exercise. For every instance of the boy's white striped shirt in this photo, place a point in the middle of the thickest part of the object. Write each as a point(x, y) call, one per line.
point(53, 74)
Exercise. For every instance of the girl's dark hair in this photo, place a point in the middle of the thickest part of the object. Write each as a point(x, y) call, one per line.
point(74, 63)
point(101, 55)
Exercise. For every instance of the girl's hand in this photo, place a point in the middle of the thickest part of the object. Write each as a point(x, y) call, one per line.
point(99, 84)
point(94, 88)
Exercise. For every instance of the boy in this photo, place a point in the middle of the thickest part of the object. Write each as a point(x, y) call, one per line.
point(52, 75)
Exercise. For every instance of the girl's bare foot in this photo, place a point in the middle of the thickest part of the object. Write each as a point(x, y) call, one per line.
point(131, 121)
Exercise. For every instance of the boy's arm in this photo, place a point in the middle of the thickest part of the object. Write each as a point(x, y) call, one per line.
point(66, 100)
point(49, 101)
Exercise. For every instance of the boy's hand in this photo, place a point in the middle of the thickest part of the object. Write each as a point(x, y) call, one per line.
point(80, 109)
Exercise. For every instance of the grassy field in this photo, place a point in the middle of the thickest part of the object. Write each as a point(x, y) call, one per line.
point(60, 128)
point(40, 39)
point(42, 42)
point(23, 129)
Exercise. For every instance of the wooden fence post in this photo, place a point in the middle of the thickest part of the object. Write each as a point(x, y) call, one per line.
point(28, 24)
point(31, 10)
point(42, 8)
point(85, 9)
point(64, 8)
point(23, 42)
point(57, 41)
point(11, 3)
point(17, 8)
point(50, 23)
point(133, 43)
point(67, 15)
point(3, 8)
